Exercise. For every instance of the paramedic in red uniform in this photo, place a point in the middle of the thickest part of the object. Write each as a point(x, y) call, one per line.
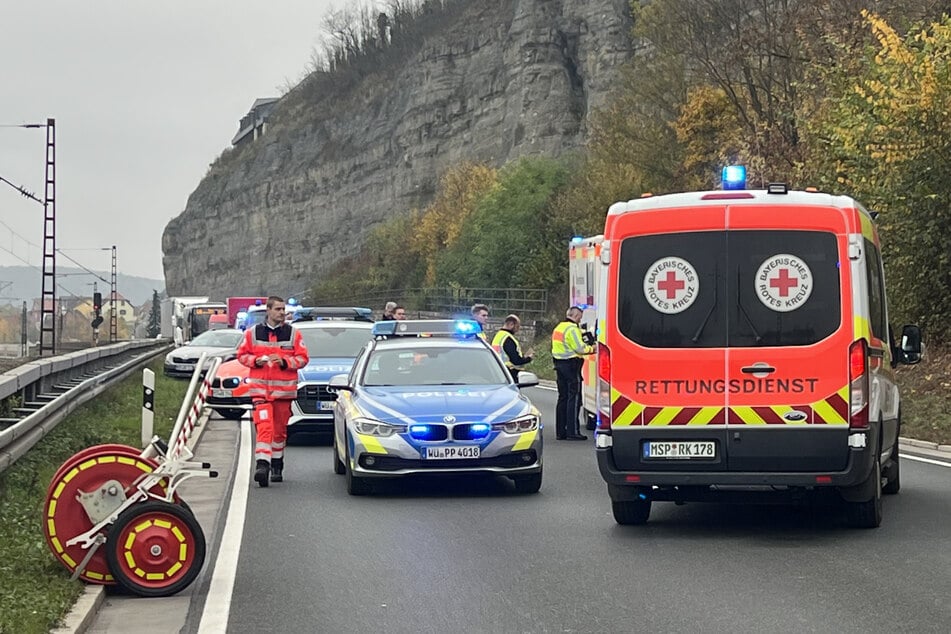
point(274, 351)
point(567, 349)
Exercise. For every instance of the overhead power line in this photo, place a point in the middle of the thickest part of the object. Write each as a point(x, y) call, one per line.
point(22, 190)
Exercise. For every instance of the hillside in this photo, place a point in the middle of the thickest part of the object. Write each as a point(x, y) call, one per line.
point(26, 284)
point(482, 80)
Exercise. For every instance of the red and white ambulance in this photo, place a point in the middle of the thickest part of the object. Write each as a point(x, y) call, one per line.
point(744, 352)
point(584, 282)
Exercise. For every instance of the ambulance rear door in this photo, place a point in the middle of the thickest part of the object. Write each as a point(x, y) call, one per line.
point(666, 331)
point(788, 336)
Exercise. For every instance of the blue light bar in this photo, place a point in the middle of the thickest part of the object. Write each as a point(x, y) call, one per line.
point(734, 177)
point(427, 328)
point(577, 240)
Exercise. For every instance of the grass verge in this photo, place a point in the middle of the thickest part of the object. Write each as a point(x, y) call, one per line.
point(35, 589)
point(926, 397)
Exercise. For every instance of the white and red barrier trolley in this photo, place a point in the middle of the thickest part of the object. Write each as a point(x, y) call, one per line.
point(112, 513)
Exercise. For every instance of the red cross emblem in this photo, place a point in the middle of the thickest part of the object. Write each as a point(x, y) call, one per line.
point(671, 285)
point(783, 282)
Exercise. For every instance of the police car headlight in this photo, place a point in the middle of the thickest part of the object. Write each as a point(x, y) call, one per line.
point(518, 425)
point(370, 427)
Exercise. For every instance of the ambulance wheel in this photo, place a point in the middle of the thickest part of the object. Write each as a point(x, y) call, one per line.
point(893, 471)
point(591, 421)
point(155, 549)
point(528, 484)
point(868, 513)
point(355, 484)
point(632, 512)
point(339, 467)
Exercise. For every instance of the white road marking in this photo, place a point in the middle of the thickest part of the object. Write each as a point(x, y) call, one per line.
point(214, 617)
point(926, 460)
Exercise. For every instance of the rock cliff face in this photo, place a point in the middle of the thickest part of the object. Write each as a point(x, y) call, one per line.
point(501, 79)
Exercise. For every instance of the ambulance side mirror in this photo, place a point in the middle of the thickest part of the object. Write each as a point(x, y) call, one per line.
point(911, 348)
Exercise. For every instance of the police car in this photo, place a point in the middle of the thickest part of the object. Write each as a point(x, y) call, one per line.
point(333, 336)
point(432, 397)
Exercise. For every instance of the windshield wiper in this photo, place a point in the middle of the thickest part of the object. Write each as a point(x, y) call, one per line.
point(749, 322)
point(716, 296)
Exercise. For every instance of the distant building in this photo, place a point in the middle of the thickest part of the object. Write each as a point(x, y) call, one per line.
point(254, 124)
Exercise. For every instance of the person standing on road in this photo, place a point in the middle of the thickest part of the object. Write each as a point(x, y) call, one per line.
point(275, 351)
point(480, 313)
point(399, 313)
point(568, 348)
point(508, 347)
point(388, 311)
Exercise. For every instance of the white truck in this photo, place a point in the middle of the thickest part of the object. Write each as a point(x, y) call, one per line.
point(584, 283)
point(173, 316)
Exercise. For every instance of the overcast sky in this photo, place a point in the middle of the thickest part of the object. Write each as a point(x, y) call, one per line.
point(145, 96)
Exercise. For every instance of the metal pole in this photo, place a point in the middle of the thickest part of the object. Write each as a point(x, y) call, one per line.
point(113, 300)
point(24, 349)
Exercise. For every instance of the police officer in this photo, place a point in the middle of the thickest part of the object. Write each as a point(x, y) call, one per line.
point(275, 351)
point(568, 348)
point(508, 347)
point(480, 313)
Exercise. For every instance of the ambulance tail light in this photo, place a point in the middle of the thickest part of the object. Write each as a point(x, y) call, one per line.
point(604, 389)
point(858, 385)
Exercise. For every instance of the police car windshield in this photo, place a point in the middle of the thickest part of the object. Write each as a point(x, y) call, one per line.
point(339, 341)
point(433, 366)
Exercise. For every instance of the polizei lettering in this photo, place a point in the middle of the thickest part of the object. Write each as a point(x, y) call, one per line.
point(721, 386)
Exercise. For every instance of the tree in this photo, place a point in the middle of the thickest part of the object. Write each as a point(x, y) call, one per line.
point(885, 138)
point(154, 328)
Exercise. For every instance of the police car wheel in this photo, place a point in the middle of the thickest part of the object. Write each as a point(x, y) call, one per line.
point(868, 513)
point(631, 513)
point(355, 484)
point(528, 484)
point(339, 467)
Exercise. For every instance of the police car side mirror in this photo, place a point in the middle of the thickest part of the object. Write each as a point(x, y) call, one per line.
point(527, 379)
point(339, 382)
point(911, 346)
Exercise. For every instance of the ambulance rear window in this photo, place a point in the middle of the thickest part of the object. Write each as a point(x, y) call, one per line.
point(718, 289)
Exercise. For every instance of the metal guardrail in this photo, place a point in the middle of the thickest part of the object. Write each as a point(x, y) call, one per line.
point(528, 303)
point(54, 387)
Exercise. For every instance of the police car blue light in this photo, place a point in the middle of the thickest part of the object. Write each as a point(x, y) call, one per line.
point(734, 177)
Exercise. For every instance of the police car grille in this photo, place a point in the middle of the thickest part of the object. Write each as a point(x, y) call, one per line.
point(309, 397)
point(392, 463)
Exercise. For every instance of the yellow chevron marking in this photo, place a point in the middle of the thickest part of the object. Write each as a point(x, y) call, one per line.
point(627, 417)
point(664, 416)
point(748, 415)
point(525, 440)
point(371, 443)
point(825, 412)
point(861, 328)
point(705, 415)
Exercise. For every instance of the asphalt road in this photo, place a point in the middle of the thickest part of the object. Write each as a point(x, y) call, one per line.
point(465, 555)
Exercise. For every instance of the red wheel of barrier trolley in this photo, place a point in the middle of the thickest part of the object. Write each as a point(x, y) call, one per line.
point(64, 517)
point(155, 549)
point(83, 455)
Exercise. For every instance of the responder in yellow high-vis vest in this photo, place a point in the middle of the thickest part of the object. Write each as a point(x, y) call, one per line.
point(568, 348)
point(508, 347)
